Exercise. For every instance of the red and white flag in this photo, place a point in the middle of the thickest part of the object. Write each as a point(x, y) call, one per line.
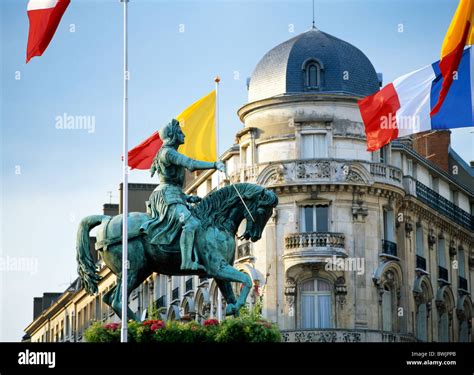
point(44, 16)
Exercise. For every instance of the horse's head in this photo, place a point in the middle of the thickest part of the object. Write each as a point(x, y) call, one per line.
point(261, 208)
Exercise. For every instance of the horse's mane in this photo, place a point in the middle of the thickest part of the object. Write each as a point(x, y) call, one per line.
point(213, 208)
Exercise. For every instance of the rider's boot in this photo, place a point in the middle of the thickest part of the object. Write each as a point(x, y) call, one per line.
point(186, 242)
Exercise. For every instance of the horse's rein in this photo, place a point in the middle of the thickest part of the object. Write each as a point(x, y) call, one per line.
point(242, 199)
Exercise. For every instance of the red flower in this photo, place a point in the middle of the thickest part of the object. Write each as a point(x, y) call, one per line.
point(112, 326)
point(150, 322)
point(158, 325)
point(211, 322)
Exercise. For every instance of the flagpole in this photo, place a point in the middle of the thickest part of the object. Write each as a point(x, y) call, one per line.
point(217, 80)
point(124, 329)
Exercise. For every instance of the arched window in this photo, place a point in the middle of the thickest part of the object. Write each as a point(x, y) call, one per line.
point(421, 320)
point(464, 331)
point(464, 313)
point(387, 309)
point(214, 297)
point(201, 310)
point(443, 327)
point(423, 293)
point(313, 74)
point(316, 304)
point(445, 304)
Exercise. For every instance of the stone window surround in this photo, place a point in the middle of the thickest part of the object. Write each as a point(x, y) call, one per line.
point(313, 202)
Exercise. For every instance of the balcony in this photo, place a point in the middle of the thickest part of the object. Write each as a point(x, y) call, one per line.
point(420, 263)
point(444, 206)
point(343, 335)
point(442, 274)
point(312, 247)
point(389, 248)
point(462, 284)
point(314, 239)
point(325, 170)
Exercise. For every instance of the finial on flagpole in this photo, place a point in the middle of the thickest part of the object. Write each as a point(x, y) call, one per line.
point(217, 79)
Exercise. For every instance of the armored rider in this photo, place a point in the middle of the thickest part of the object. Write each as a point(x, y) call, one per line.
point(170, 207)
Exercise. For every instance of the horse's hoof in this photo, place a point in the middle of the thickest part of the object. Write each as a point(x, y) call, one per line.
point(231, 310)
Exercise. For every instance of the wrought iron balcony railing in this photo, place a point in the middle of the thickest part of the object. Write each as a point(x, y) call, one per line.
point(420, 263)
point(444, 206)
point(189, 285)
point(160, 302)
point(389, 248)
point(462, 283)
point(442, 273)
point(314, 239)
point(175, 294)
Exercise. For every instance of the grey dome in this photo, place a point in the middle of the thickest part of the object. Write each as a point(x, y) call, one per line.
point(281, 70)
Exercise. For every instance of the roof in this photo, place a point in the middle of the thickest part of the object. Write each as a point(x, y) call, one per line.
point(346, 70)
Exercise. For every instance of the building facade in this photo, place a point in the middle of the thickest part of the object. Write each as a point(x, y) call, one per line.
point(361, 247)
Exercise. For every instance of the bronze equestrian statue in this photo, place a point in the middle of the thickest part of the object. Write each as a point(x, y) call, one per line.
point(183, 235)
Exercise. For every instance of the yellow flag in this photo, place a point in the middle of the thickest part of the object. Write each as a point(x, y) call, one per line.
point(198, 123)
point(464, 14)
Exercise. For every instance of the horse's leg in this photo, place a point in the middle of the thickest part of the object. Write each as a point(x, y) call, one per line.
point(226, 289)
point(117, 301)
point(228, 273)
point(108, 297)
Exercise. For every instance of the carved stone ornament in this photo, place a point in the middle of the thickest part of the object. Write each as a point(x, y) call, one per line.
point(408, 228)
point(431, 239)
point(452, 248)
point(313, 170)
point(353, 176)
point(341, 291)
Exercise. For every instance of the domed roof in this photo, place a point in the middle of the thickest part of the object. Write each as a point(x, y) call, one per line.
point(344, 68)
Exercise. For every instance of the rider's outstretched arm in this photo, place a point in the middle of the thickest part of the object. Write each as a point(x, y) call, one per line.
point(174, 157)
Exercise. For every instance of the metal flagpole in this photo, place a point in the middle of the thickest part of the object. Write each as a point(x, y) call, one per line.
point(124, 330)
point(217, 80)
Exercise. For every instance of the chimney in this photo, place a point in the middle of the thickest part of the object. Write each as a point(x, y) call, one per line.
point(111, 209)
point(433, 146)
point(37, 306)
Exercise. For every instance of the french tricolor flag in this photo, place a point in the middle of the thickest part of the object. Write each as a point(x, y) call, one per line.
point(403, 107)
point(44, 16)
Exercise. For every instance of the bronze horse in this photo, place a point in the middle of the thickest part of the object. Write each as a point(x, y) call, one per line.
point(220, 213)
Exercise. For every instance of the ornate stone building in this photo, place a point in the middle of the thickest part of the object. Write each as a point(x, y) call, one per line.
point(362, 246)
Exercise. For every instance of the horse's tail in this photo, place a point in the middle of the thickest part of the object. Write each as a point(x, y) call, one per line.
point(85, 264)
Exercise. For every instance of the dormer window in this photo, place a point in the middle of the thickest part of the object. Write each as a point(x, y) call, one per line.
point(313, 70)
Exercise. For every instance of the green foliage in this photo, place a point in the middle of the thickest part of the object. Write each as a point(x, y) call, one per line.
point(99, 332)
point(250, 327)
point(155, 312)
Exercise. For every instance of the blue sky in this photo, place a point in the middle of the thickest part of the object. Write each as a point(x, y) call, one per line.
point(51, 178)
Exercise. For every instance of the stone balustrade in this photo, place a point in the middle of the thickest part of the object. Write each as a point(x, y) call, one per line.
point(319, 171)
point(314, 239)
